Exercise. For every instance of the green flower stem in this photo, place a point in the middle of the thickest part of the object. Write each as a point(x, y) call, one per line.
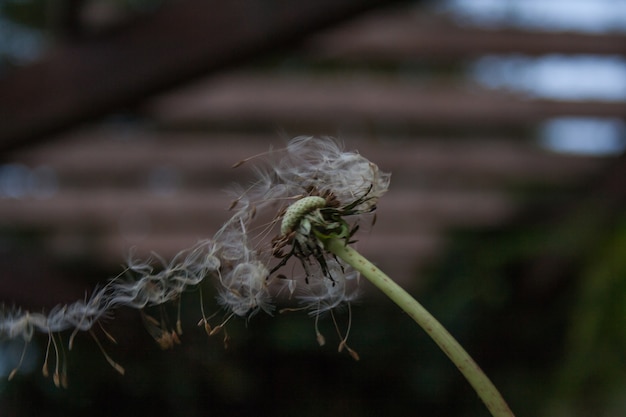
point(472, 372)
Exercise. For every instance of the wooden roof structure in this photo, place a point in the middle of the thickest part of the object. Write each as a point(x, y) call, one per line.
point(153, 178)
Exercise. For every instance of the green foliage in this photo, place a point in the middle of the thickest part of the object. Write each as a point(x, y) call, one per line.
point(543, 305)
point(592, 371)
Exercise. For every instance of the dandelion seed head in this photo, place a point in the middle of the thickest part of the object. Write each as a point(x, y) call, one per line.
point(211, 263)
point(323, 294)
point(321, 164)
point(310, 163)
point(319, 191)
point(19, 323)
point(77, 315)
point(303, 195)
point(245, 291)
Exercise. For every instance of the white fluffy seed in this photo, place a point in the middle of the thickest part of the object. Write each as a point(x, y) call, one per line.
point(299, 209)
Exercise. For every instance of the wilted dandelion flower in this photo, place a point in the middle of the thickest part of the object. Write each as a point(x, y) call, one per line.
point(315, 192)
point(315, 188)
point(305, 194)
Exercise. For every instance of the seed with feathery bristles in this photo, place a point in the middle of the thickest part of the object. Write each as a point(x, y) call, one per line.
point(299, 209)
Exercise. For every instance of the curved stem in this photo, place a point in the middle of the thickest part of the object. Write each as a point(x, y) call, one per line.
point(472, 372)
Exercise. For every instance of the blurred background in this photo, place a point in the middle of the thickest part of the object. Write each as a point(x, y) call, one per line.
point(501, 121)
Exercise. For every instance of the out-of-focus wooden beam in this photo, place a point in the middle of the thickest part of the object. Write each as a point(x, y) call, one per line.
point(328, 101)
point(397, 36)
point(184, 39)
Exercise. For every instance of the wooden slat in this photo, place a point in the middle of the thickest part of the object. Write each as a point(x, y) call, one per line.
point(400, 35)
point(331, 103)
point(93, 159)
point(184, 39)
point(200, 213)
